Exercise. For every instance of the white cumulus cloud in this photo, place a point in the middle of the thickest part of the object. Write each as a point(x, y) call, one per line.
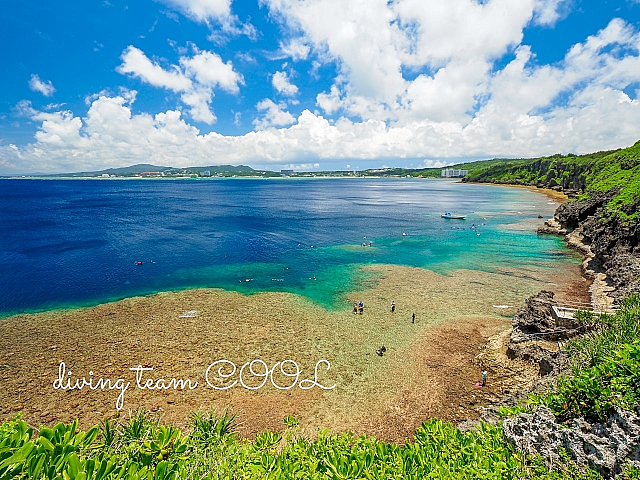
point(548, 12)
point(137, 64)
point(296, 49)
point(207, 68)
point(110, 135)
point(211, 12)
point(275, 115)
point(454, 42)
point(37, 85)
point(302, 167)
point(195, 78)
point(283, 85)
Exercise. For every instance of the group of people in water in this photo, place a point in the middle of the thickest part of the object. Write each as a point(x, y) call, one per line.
point(358, 308)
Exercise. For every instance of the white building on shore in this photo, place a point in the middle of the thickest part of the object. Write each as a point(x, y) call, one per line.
point(454, 173)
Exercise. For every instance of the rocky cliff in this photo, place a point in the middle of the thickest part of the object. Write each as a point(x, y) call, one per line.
point(601, 220)
point(613, 243)
point(606, 448)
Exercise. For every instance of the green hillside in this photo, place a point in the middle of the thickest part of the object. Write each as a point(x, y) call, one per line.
point(616, 173)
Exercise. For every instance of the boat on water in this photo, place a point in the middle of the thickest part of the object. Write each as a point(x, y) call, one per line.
point(453, 216)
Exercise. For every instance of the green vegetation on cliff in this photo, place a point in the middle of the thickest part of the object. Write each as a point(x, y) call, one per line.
point(615, 173)
point(619, 172)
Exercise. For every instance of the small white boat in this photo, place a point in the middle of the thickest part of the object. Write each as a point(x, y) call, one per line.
point(453, 216)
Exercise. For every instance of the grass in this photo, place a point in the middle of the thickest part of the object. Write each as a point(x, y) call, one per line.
point(609, 333)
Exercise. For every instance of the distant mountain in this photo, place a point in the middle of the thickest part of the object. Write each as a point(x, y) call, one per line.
point(132, 170)
point(139, 168)
point(146, 167)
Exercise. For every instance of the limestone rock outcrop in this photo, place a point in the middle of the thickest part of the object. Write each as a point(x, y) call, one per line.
point(607, 448)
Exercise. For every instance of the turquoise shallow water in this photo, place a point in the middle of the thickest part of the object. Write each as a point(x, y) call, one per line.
point(74, 243)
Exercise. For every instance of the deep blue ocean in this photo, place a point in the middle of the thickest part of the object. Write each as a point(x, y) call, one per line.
point(66, 243)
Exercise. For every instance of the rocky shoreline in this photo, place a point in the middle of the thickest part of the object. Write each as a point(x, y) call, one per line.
point(611, 261)
point(611, 252)
point(611, 247)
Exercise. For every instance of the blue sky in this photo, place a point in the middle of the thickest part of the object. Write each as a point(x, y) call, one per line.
point(313, 84)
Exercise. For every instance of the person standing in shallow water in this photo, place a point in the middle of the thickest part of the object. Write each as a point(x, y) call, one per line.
point(355, 308)
point(361, 307)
